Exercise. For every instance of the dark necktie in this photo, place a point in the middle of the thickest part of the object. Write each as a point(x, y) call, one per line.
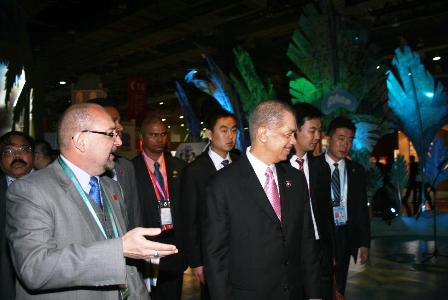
point(300, 161)
point(159, 178)
point(336, 186)
point(225, 162)
point(95, 191)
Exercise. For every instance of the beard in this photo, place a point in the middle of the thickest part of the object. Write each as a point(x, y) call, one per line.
point(110, 164)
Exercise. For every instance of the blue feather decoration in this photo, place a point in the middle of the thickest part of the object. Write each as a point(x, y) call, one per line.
point(187, 110)
point(436, 159)
point(418, 101)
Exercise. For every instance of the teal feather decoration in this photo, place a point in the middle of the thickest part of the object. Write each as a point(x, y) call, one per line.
point(417, 100)
point(437, 158)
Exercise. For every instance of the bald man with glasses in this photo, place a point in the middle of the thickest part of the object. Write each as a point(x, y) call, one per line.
point(66, 225)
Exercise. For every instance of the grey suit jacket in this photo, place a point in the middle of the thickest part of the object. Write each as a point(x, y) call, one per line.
point(58, 251)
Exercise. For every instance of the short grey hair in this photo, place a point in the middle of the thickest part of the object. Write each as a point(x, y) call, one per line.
point(268, 113)
point(75, 118)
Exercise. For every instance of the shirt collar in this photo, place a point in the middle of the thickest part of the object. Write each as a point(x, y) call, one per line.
point(217, 159)
point(82, 176)
point(331, 162)
point(259, 166)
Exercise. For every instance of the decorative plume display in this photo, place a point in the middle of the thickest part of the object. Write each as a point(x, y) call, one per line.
point(436, 161)
point(218, 86)
point(251, 88)
point(398, 175)
point(187, 110)
point(418, 101)
point(347, 80)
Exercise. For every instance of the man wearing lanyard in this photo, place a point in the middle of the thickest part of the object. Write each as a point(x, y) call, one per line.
point(349, 199)
point(16, 161)
point(65, 224)
point(221, 131)
point(317, 174)
point(158, 184)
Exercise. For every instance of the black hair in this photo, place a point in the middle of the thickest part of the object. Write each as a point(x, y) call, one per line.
point(5, 139)
point(214, 116)
point(43, 147)
point(341, 122)
point(305, 111)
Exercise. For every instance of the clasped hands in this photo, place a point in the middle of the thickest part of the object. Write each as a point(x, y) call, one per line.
point(135, 244)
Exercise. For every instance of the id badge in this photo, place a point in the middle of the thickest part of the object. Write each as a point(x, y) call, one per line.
point(165, 213)
point(339, 215)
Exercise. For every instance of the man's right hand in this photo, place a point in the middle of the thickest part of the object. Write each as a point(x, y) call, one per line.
point(136, 246)
point(198, 273)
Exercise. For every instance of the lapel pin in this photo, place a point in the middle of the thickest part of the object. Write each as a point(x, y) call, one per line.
point(174, 174)
point(288, 183)
point(115, 197)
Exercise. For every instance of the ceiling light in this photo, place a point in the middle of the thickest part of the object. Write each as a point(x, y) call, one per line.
point(62, 82)
point(436, 58)
point(182, 125)
point(169, 126)
point(377, 67)
point(161, 103)
point(181, 117)
point(163, 119)
point(202, 123)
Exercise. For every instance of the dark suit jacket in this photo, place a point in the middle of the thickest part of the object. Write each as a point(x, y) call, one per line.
point(7, 274)
point(320, 190)
point(150, 216)
point(249, 253)
point(194, 179)
point(357, 209)
point(126, 179)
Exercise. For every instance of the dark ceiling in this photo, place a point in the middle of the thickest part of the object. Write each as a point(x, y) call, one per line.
point(159, 40)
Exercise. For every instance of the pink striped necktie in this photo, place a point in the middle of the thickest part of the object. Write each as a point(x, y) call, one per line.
point(300, 162)
point(270, 188)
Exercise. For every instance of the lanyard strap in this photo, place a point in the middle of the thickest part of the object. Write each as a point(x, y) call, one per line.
point(87, 202)
point(160, 193)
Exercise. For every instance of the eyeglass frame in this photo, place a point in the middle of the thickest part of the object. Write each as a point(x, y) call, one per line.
point(17, 150)
point(113, 134)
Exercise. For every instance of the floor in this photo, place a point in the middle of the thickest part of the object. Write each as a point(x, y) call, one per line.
point(395, 270)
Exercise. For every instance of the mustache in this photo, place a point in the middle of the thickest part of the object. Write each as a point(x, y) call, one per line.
point(18, 160)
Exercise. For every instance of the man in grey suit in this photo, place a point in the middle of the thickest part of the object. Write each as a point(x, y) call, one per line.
point(65, 225)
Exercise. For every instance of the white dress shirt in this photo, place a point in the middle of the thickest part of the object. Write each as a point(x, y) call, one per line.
point(306, 171)
point(217, 159)
point(342, 179)
point(260, 169)
point(82, 176)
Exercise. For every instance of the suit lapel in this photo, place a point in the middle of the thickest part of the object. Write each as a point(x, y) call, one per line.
point(143, 171)
point(284, 183)
point(350, 180)
point(114, 199)
point(254, 190)
point(74, 196)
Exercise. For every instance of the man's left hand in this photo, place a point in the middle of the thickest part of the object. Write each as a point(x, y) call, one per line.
point(363, 255)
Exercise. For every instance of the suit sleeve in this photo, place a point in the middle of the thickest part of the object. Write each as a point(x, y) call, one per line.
point(38, 260)
point(216, 243)
point(310, 252)
point(363, 215)
point(133, 204)
point(191, 218)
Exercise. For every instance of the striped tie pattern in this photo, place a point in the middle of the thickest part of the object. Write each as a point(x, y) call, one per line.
point(300, 162)
point(225, 162)
point(270, 188)
point(336, 186)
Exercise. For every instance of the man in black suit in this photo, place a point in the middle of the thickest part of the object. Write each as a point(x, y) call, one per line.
point(317, 173)
point(221, 131)
point(16, 150)
point(255, 215)
point(349, 200)
point(158, 186)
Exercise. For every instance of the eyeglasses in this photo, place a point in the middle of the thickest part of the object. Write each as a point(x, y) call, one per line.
point(157, 134)
point(12, 151)
point(113, 134)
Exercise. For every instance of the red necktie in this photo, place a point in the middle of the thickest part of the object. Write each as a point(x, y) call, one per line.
point(300, 161)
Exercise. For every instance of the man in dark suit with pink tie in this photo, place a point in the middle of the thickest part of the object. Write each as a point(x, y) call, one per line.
point(257, 220)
